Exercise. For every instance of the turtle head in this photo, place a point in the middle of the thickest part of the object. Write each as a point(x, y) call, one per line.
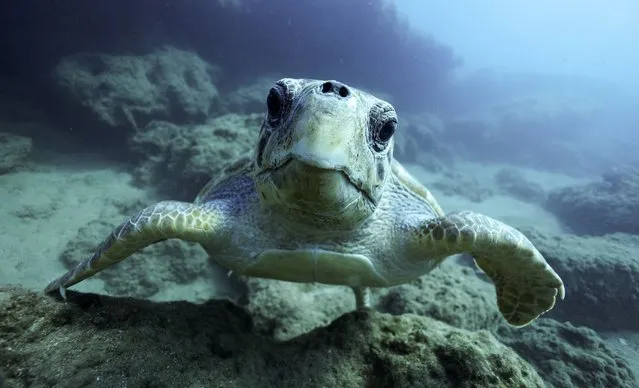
point(324, 153)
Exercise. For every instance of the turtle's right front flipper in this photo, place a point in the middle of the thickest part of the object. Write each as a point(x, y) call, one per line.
point(159, 222)
point(525, 283)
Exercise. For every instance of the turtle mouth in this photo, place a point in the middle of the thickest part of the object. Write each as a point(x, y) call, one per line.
point(315, 168)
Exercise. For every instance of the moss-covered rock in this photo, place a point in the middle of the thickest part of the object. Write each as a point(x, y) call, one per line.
point(107, 342)
point(180, 159)
point(602, 207)
point(126, 92)
point(569, 356)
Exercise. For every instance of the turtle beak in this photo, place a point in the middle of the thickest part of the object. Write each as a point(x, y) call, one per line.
point(320, 138)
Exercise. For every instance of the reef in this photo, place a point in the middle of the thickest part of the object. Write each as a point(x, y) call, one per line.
point(105, 342)
point(606, 206)
point(601, 274)
point(15, 152)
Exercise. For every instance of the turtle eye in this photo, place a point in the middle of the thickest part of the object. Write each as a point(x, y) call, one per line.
point(383, 134)
point(386, 131)
point(275, 104)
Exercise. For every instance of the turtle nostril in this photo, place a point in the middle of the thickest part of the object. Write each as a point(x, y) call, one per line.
point(337, 88)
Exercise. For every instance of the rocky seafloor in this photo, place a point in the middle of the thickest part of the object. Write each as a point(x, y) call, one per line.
point(171, 132)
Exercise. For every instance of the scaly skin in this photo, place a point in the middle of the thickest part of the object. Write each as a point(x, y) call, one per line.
point(526, 285)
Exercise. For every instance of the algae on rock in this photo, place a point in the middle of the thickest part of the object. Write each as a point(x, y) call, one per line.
point(106, 342)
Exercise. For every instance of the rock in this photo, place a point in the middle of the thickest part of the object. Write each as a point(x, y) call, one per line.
point(608, 206)
point(250, 98)
point(568, 356)
point(281, 317)
point(453, 294)
point(513, 183)
point(419, 141)
point(105, 342)
point(491, 140)
point(538, 121)
point(126, 92)
point(15, 152)
point(180, 160)
point(601, 276)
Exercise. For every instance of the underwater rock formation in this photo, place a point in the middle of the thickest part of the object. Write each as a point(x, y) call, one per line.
point(250, 97)
point(419, 141)
point(106, 342)
point(568, 356)
point(489, 140)
point(15, 152)
point(126, 92)
point(454, 294)
point(607, 206)
point(231, 33)
point(513, 183)
point(276, 314)
point(180, 160)
point(601, 275)
point(535, 120)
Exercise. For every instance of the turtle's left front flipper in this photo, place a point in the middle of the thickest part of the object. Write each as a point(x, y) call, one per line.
point(159, 222)
point(526, 285)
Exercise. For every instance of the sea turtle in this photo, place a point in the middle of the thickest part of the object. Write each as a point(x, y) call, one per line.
point(321, 199)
